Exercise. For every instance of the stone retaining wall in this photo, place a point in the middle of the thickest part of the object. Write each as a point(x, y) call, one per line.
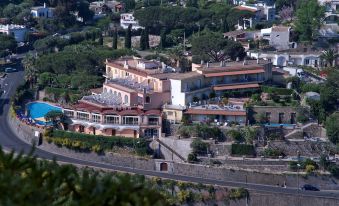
point(219, 173)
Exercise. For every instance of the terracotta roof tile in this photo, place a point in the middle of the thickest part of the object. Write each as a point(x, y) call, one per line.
point(239, 86)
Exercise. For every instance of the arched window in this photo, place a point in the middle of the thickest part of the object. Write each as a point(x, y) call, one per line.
point(148, 99)
point(110, 91)
point(119, 94)
point(105, 90)
point(115, 93)
point(126, 99)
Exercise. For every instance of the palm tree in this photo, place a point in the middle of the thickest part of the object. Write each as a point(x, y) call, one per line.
point(329, 56)
point(30, 69)
point(176, 54)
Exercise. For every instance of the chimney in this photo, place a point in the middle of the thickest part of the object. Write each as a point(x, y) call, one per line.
point(258, 60)
point(208, 65)
point(45, 5)
point(237, 59)
point(221, 64)
point(244, 62)
point(202, 62)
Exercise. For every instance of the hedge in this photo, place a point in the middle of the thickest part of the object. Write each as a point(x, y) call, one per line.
point(277, 90)
point(97, 143)
point(242, 149)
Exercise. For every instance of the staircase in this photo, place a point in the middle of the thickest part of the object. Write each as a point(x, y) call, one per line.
point(171, 150)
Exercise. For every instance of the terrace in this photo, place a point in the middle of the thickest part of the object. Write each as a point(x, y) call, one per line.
point(131, 84)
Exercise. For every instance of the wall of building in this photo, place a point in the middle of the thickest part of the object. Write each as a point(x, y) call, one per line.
point(274, 113)
point(178, 97)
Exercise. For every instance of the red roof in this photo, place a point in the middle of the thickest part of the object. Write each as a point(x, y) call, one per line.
point(215, 112)
point(130, 112)
point(229, 73)
point(153, 112)
point(239, 86)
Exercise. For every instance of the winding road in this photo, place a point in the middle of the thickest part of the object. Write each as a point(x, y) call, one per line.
point(10, 141)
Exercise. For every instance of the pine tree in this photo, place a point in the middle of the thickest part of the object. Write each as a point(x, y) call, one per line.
point(101, 40)
point(143, 40)
point(128, 37)
point(163, 41)
point(115, 40)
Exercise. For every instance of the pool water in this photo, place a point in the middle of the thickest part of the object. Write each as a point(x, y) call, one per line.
point(278, 125)
point(39, 110)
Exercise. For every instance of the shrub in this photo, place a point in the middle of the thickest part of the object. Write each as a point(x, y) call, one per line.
point(236, 135)
point(185, 131)
point(310, 162)
point(276, 90)
point(242, 149)
point(192, 157)
point(334, 170)
point(309, 169)
point(270, 152)
point(207, 132)
point(199, 147)
point(238, 193)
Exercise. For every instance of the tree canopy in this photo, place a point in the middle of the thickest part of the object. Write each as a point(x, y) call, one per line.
point(24, 180)
point(309, 19)
point(212, 46)
point(332, 128)
point(7, 44)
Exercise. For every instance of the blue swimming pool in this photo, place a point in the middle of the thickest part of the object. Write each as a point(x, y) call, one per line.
point(279, 125)
point(37, 110)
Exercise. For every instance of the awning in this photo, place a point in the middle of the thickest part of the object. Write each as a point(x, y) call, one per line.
point(239, 86)
point(230, 73)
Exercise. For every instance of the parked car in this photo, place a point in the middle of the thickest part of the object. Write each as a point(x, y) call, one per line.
point(9, 70)
point(309, 188)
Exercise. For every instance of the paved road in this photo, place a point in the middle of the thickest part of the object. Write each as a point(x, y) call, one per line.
point(9, 141)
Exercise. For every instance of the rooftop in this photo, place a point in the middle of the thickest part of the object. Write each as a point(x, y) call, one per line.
point(11, 26)
point(139, 66)
point(177, 76)
point(214, 109)
point(129, 85)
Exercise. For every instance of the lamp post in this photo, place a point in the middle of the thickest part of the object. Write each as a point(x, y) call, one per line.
point(298, 166)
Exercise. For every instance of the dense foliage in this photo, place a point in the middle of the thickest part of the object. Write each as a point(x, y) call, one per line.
point(199, 147)
point(95, 143)
point(24, 180)
point(212, 46)
point(242, 149)
point(7, 45)
point(308, 21)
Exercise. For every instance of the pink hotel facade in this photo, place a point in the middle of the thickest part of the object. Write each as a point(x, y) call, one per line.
point(131, 101)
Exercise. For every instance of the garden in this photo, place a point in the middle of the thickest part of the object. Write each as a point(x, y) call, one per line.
point(96, 143)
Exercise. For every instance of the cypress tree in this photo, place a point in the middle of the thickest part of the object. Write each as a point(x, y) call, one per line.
point(128, 37)
point(163, 40)
point(101, 40)
point(147, 37)
point(143, 39)
point(115, 39)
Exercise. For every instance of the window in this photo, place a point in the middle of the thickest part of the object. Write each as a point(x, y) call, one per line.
point(81, 129)
point(307, 61)
point(126, 99)
point(105, 90)
point(111, 119)
point(83, 116)
point(119, 94)
point(153, 120)
point(281, 118)
point(169, 113)
point(293, 118)
point(130, 120)
point(69, 113)
point(268, 117)
point(151, 132)
point(115, 93)
point(148, 100)
point(96, 118)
